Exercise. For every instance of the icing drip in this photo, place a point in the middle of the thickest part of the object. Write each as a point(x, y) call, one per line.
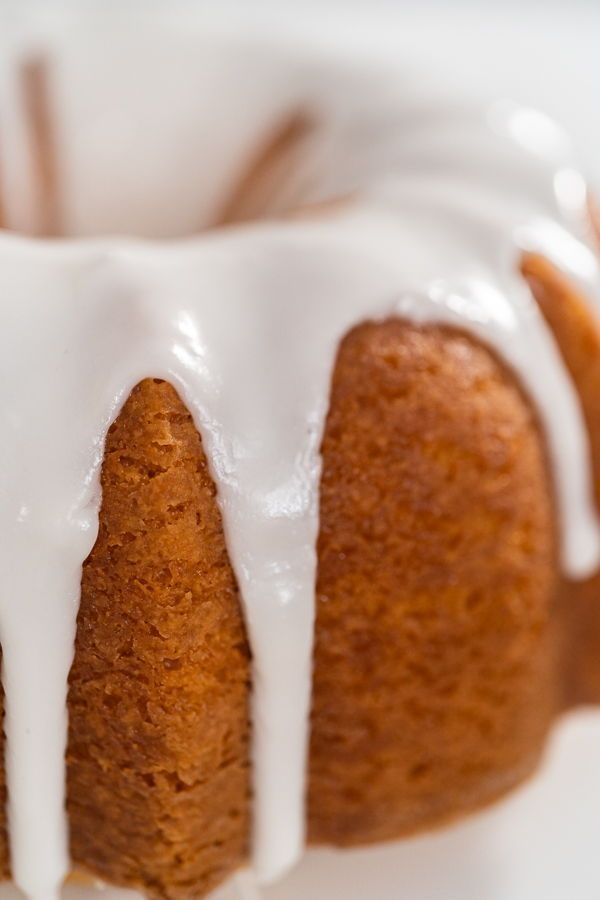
point(245, 323)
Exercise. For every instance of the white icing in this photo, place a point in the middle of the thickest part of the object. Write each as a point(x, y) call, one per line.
point(245, 322)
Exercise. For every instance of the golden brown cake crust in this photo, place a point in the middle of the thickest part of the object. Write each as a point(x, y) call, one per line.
point(434, 670)
point(435, 656)
point(578, 338)
point(158, 773)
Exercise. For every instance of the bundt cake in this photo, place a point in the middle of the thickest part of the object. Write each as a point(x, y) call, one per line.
point(341, 396)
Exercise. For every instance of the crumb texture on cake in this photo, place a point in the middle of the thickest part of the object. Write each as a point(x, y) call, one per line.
point(435, 678)
point(158, 761)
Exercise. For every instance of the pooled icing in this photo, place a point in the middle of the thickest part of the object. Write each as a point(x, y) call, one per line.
point(245, 322)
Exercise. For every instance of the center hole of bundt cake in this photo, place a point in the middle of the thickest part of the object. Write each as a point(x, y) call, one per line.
point(108, 175)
